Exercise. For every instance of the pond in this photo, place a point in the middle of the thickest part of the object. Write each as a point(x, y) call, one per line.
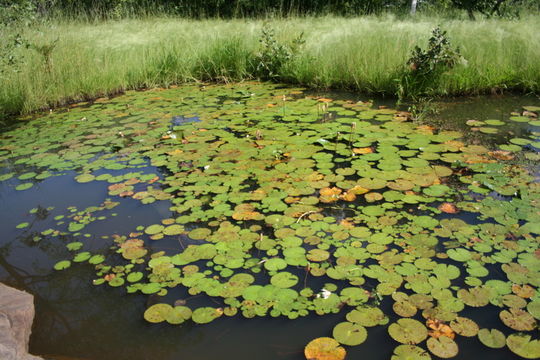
point(261, 221)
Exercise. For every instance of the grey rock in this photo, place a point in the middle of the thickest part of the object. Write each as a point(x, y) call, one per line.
point(16, 316)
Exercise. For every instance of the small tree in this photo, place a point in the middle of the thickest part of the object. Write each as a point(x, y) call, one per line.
point(427, 66)
point(274, 55)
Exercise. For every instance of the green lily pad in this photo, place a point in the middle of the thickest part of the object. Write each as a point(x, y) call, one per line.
point(492, 338)
point(367, 316)
point(154, 229)
point(150, 288)
point(74, 226)
point(173, 230)
point(317, 255)
point(522, 345)
point(61, 265)
point(96, 259)
point(404, 308)
point(408, 331)
point(494, 122)
point(443, 347)
point(134, 277)
point(205, 315)
point(519, 118)
point(436, 190)
point(157, 313)
point(534, 309)
point(117, 281)
point(74, 246)
point(84, 178)
point(199, 234)
point(24, 186)
point(82, 256)
point(349, 334)
point(518, 319)
point(464, 326)
point(488, 130)
point(284, 280)
point(475, 297)
point(275, 264)
point(410, 352)
point(178, 315)
point(28, 175)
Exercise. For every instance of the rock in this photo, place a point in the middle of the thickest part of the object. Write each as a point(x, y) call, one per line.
point(16, 316)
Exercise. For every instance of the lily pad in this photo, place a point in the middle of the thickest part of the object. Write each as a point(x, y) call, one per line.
point(443, 347)
point(367, 316)
point(84, 178)
point(522, 345)
point(173, 230)
point(22, 225)
point(199, 234)
point(205, 315)
point(24, 186)
point(492, 338)
point(154, 229)
point(61, 265)
point(404, 308)
point(410, 352)
point(324, 348)
point(408, 331)
point(349, 334)
point(284, 280)
point(157, 313)
point(464, 326)
point(178, 315)
point(134, 277)
point(518, 319)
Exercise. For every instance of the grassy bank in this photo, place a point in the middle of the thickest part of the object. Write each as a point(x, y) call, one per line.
point(362, 54)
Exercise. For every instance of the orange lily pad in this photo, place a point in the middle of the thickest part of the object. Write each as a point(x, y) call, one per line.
point(324, 348)
point(448, 208)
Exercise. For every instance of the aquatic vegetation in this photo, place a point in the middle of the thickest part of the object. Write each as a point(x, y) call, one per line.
point(364, 54)
point(278, 209)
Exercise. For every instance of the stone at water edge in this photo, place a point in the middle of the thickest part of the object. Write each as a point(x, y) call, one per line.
point(16, 316)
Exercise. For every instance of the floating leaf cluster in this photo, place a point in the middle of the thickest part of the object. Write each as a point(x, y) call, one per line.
point(285, 204)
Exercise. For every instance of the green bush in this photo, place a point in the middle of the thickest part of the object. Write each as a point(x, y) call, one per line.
point(427, 66)
point(273, 55)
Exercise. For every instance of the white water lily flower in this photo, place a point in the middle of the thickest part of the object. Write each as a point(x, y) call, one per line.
point(325, 294)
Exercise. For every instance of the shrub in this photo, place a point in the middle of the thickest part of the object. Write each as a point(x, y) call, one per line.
point(427, 66)
point(273, 55)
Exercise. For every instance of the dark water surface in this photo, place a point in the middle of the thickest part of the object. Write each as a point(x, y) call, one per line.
point(77, 320)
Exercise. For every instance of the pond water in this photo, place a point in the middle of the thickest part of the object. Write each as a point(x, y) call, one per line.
point(246, 221)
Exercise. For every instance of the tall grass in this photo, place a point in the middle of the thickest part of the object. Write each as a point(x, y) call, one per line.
point(364, 54)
